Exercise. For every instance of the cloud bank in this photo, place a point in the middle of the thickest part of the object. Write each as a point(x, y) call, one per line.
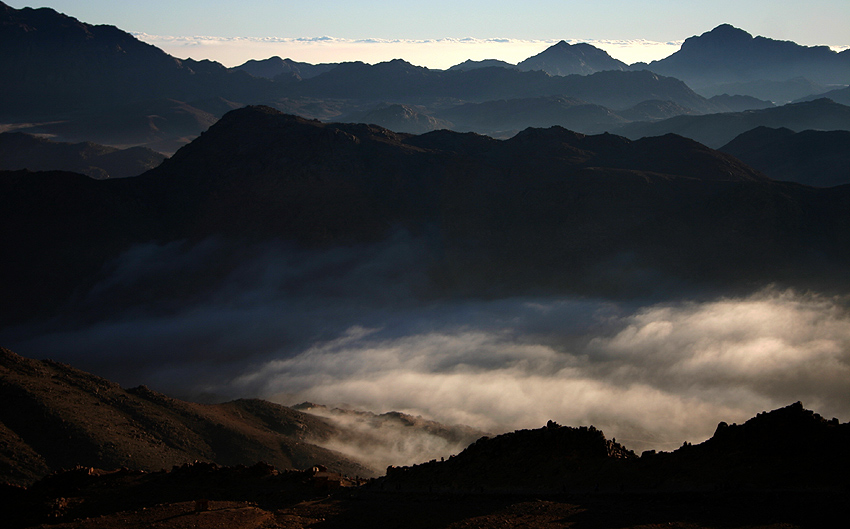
point(355, 327)
point(432, 53)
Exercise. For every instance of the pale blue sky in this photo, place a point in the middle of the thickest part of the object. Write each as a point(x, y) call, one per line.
point(813, 22)
point(810, 22)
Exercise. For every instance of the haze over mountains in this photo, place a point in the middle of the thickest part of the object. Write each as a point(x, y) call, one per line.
point(56, 89)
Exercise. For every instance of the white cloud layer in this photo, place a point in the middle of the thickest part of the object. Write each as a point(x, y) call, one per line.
point(660, 376)
point(432, 53)
point(354, 327)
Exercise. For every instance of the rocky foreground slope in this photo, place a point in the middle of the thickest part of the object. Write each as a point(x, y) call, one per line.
point(53, 416)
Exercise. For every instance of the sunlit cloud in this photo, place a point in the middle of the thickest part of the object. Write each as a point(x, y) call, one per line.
point(347, 327)
point(664, 375)
point(432, 53)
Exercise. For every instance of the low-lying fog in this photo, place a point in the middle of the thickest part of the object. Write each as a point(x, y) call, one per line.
point(349, 327)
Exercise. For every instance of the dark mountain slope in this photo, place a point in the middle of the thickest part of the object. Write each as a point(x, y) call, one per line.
point(715, 130)
point(55, 64)
point(553, 458)
point(547, 211)
point(727, 54)
point(815, 158)
point(788, 448)
point(57, 417)
point(24, 151)
point(566, 59)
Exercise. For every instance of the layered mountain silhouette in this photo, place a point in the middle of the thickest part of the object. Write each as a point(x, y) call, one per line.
point(24, 151)
point(569, 59)
point(739, 103)
point(398, 80)
point(78, 82)
point(779, 92)
point(715, 130)
point(840, 95)
point(549, 210)
point(811, 157)
point(727, 54)
point(162, 125)
point(504, 118)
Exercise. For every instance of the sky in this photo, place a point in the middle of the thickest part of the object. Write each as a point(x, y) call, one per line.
point(440, 33)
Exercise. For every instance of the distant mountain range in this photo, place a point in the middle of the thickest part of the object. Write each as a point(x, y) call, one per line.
point(283, 69)
point(715, 130)
point(24, 151)
point(779, 92)
point(79, 82)
point(840, 95)
point(811, 157)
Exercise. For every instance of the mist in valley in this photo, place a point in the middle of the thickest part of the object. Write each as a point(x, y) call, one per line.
point(358, 327)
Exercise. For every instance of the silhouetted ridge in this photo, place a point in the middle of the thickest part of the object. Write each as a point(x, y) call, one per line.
point(550, 458)
point(788, 448)
point(727, 54)
point(55, 64)
point(544, 210)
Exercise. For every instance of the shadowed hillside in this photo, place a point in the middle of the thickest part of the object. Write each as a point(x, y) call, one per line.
point(53, 416)
point(547, 209)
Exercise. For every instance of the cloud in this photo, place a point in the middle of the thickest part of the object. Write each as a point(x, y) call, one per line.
point(666, 374)
point(359, 327)
point(434, 53)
